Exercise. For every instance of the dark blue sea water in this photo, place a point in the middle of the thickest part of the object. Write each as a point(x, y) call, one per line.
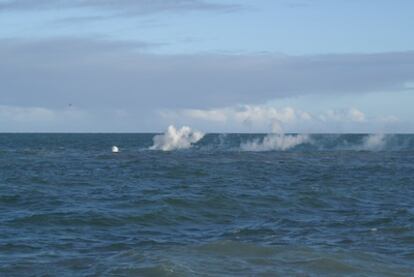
point(231, 205)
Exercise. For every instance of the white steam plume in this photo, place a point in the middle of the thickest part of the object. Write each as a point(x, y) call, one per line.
point(374, 142)
point(174, 139)
point(275, 142)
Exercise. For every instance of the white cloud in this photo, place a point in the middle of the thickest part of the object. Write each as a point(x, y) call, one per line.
point(21, 118)
point(127, 7)
point(261, 116)
point(389, 119)
point(220, 115)
point(343, 115)
point(356, 115)
point(286, 119)
point(106, 74)
point(248, 114)
point(241, 118)
point(26, 114)
point(39, 114)
point(74, 119)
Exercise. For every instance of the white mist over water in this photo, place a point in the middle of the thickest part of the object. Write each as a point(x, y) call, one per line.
point(185, 137)
point(374, 142)
point(174, 139)
point(275, 142)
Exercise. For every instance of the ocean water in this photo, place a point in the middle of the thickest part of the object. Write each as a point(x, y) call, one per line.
point(220, 205)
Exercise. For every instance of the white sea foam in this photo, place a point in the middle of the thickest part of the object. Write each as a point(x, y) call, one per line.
point(374, 142)
point(275, 142)
point(174, 139)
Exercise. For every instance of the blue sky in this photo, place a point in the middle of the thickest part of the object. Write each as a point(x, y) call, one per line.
point(227, 66)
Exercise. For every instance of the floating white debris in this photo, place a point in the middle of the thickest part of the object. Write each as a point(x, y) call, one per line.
point(115, 149)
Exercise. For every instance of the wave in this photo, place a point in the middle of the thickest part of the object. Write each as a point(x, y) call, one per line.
point(275, 142)
point(174, 139)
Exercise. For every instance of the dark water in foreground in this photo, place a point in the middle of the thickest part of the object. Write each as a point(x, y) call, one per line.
point(335, 205)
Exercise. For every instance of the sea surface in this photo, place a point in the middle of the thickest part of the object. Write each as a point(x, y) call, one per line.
point(211, 205)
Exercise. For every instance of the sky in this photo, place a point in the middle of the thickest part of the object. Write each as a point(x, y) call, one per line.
point(306, 66)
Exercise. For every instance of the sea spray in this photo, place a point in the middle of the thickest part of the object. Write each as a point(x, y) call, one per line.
point(174, 139)
point(374, 142)
point(273, 142)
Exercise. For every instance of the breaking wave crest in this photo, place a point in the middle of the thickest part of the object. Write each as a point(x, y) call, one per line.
point(174, 139)
point(275, 142)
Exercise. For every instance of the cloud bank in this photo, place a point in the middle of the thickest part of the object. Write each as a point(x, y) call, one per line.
point(265, 118)
point(103, 77)
point(98, 73)
point(128, 7)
